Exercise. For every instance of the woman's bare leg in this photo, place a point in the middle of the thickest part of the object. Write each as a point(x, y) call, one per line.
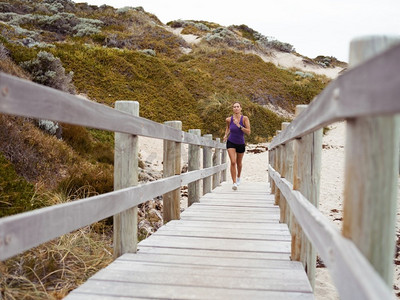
point(232, 157)
point(239, 158)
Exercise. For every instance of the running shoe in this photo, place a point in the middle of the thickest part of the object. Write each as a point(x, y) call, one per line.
point(238, 181)
point(234, 186)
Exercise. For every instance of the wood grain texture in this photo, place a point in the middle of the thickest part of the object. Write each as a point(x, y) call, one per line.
point(353, 275)
point(207, 162)
point(171, 167)
point(212, 259)
point(194, 164)
point(371, 173)
point(375, 79)
point(21, 97)
point(126, 172)
point(27, 230)
point(216, 160)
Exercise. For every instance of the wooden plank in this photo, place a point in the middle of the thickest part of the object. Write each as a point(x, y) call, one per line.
point(171, 167)
point(245, 214)
point(237, 196)
point(215, 224)
point(184, 226)
point(24, 231)
point(200, 207)
point(272, 281)
point(225, 203)
point(226, 234)
point(306, 179)
point(126, 172)
point(216, 160)
point(207, 162)
point(375, 79)
point(214, 253)
point(100, 289)
point(22, 97)
point(371, 174)
point(216, 244)
point(240, 216)
point(232, 219)
point(194, 164)
point(195, 261)
point(354, 277)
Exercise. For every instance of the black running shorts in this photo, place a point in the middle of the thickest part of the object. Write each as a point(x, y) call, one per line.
point(240, 148)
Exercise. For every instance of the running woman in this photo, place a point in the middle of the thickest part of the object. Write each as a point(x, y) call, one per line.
point(236, 126)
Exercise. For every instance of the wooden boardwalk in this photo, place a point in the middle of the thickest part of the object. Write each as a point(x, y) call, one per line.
point(229, 246)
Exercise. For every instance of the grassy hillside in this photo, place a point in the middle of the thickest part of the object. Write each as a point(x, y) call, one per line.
point(110, 54)
point(113, 54)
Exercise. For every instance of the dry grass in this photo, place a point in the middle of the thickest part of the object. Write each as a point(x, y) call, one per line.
point(52, 270)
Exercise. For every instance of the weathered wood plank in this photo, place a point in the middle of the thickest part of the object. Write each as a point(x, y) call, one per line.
point(216, 223)
point(207, 162)
point(273, 228)
point(211, 207)
point(171, 167)
point(354, 277)
point(194, 261)
point(371, 174)
point(216, 160)
point(194, 164)
point(215, 253)
point(217, 244)
point(171, 276)
point(243, 214)
point(24, 231)
point(126, 159)
point(375, 79)
point(277, 236)
point(99, 289)
point(25, 98)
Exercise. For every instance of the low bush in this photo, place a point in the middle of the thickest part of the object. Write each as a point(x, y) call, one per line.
point(48, 70)
point(16, 192)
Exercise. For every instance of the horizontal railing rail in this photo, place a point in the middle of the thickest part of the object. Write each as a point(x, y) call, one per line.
point(375, 86)
point(342, 257)
point(367, 96)
point(24, 231)
point(24, 98)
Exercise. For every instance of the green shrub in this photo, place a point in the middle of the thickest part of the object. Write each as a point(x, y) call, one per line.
point(48, 70)
point(15, 192)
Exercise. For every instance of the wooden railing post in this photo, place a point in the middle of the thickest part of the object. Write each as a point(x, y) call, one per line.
point(194, 164)
point(287, 172)
point(370, 192)
point(171, 167)
point(282, 171)
point(306, 179)
point(223, 161)
point(277, 167)
point(271, 161)
point(216, 160)
point(207, 162)
point(126, 175)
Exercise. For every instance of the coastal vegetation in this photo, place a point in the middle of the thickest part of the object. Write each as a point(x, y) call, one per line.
point(106, 54)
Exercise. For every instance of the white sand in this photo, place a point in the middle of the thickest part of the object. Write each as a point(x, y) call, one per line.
point(331, 195)
point(278, 58)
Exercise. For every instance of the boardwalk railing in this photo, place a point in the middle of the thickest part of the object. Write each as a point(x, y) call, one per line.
point(367, 96)
point(24, 231)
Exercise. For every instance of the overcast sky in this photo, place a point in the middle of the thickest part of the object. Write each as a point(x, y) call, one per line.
point(313, 27)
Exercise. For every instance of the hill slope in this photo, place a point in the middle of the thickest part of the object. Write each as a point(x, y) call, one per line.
point(107, 54)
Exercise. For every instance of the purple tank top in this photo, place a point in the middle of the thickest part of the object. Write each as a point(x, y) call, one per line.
point(236, 135)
